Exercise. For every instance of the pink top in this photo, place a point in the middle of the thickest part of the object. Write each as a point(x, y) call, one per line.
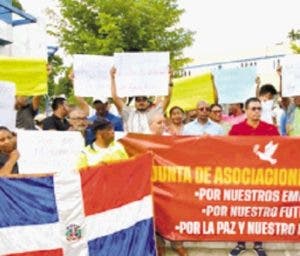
point(234, 119)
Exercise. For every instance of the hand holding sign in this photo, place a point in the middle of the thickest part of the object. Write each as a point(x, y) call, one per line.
point(91, 75)
point(291, 75)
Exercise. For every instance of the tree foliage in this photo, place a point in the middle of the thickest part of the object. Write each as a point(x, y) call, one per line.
point(17, 4)
point(294, 37)
point(58, 82)
point(108, 26)
point(57, 69)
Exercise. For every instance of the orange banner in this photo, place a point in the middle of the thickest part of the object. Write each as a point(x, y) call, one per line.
point(224, 188)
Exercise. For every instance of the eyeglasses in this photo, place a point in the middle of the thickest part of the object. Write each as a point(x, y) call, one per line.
point(78, 118)
point(202, 109)
point(216, 111)
point(139, 99)
point(255, 108)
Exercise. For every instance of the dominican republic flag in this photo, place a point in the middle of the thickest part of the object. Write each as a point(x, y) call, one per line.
point(101, 211)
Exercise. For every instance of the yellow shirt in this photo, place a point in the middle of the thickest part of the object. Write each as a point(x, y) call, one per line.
point(93, 155)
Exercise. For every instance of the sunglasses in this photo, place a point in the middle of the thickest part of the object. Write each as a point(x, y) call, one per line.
point(140, 99)
point(255, 109)
point(204, 109)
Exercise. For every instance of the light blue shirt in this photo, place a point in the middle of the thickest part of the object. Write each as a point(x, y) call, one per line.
point(282, 125)
point(195, 128)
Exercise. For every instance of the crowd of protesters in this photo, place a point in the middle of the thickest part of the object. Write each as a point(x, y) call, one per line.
point(266, 114)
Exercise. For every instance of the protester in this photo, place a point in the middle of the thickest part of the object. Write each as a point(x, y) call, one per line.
point(266, 95)
point(236, 114)
point(58, 119)
point(101, 111)
point(216, 115)
point(156, 123)
point(136, 119)
point(203, 125)
point(280, 111)
point(78, 120)
point(252, 126)
point(105, 149)
point(176, 121)
point(147, 117)
point(8, 152)
point(191, 115)
point(284, 103)
point(26, 111)
point(157, 127)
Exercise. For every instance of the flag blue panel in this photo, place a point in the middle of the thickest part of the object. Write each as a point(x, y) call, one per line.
point(137, 240)
point(27, 201)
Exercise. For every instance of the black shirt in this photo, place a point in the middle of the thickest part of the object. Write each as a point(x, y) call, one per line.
point(3, 160)
point(55, 123)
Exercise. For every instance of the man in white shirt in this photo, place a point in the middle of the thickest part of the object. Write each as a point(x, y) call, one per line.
point(136, 119)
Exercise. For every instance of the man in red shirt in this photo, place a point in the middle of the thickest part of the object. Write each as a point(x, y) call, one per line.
point(252, 125)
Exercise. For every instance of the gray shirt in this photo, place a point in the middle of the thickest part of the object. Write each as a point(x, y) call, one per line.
point(25, 118)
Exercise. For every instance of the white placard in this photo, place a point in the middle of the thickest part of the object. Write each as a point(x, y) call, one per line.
point(7, 102)
point(8, 118)
point(48, 151)
point(91, 75)
point(291, 75)
point(143, 73)
point(7, 94)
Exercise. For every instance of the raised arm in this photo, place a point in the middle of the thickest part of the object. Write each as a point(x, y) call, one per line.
point(257, 82)
point(83, 105)
point(36, 102)
point(117, 100)
point(279, 73)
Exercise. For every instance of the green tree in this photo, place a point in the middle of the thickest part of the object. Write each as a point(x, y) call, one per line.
point(108, 26)
point(294, 36)
point(17, 4)
point(57, 69)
